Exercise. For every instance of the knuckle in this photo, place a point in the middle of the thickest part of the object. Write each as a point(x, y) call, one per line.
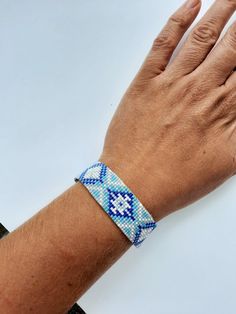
point(163, 41)
point(231, 3)
point(166, 82)
point(205, 32)
point(166, 38)
point(231, 36)
point(163, 84)
point(199, 119)
point(227, 103)
point(194, 88)
point(178, 20)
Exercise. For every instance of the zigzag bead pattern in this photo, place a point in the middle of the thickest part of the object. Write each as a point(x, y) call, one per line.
point(118, 201)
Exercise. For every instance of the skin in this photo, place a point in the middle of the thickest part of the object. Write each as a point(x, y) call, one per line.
point(175, 127)
point(171, 140)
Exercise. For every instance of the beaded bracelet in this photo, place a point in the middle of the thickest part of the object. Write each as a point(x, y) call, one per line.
point(118, 201)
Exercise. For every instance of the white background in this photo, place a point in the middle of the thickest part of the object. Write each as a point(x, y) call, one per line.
point(64, 66)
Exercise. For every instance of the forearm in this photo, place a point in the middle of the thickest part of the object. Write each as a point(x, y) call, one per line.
point(58, 254)
point(172, 141)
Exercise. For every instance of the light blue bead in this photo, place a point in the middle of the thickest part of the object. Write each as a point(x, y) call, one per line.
point(118, 201)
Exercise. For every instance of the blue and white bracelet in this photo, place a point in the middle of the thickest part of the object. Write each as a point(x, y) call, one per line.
point(118, 202)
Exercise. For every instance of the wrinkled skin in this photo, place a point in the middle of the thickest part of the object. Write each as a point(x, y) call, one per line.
point(173, 137)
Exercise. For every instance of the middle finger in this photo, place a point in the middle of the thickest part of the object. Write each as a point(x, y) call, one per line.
point(203, 37)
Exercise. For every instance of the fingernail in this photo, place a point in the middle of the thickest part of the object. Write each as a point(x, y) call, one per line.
point(191, 3)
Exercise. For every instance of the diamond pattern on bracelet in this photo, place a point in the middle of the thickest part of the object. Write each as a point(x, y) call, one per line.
point(118, 201)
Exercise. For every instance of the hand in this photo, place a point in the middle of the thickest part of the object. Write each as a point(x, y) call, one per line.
point(173, 137)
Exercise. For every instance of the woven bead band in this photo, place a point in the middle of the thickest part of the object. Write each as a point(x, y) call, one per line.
point(118, 202)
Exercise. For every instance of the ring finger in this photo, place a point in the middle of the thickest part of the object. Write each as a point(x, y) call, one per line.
point(203, 37)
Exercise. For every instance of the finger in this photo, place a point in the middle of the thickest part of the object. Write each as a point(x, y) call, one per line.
point(222, 60)
point(203, 37)
point(166, 42)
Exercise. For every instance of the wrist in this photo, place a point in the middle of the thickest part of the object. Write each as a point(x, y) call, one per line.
point(118, 201)
point(139, 180)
